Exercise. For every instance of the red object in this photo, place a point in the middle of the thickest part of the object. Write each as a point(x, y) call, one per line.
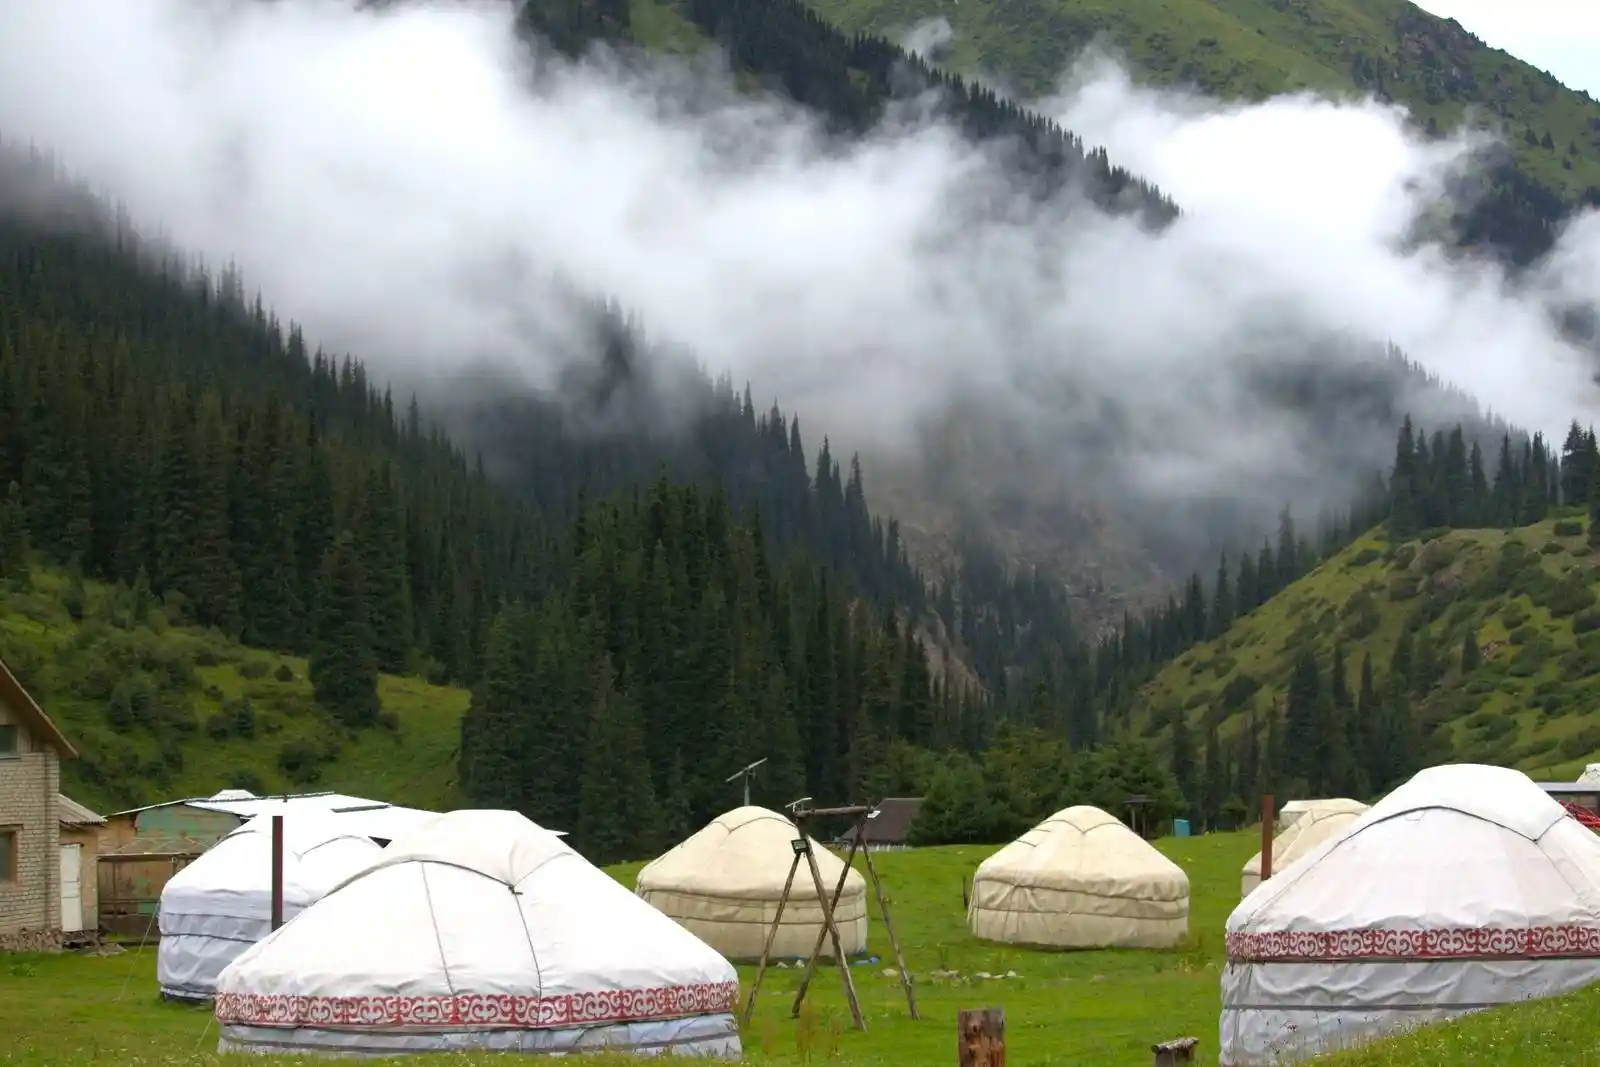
point(1583, 815)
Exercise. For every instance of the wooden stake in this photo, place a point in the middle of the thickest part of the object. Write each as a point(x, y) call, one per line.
point(981, 1038)
point(772, 935)
point(1269, 820)
point(894, 942)
point(833, 933)
point(277, 871)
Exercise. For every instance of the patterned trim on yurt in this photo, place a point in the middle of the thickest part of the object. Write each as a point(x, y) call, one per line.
point(1482, 942)
point(479, 1009)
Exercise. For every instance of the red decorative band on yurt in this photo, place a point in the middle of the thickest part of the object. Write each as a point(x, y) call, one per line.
point(485, 1010)
point(1324, 946)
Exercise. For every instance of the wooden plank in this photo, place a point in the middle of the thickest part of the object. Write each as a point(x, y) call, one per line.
point(981, 1037)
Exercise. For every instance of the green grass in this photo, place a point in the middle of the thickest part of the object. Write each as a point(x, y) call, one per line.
point(1064, 1009)
point(1255, 48)
point(172, 747)
point(1097, 1009)
point(1527, 705)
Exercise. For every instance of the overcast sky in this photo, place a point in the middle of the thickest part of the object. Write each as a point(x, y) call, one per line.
point(1560, 36)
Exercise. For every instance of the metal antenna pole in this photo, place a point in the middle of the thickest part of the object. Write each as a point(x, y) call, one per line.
point(746, 772)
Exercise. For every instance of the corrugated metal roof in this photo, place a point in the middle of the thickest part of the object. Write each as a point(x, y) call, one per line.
point(75, 814)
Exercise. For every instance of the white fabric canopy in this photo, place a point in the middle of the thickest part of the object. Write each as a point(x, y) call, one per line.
point(1307, 826)
point(1590, 775)
point(1080, 879)
point(221, 904)
point(1464, 888)
point(479, 930)
point(723, 883)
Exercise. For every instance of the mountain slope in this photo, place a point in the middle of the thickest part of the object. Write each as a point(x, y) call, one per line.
point(1251, 49)
point(1522, 598)
point(158, 711)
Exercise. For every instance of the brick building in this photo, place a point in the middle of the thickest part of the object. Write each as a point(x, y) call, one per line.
point(36, 871)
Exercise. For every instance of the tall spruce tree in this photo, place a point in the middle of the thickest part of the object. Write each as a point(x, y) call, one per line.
point(344, 672)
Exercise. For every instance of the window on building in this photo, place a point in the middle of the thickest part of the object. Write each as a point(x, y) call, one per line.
point(9, 740)
point(8, 855)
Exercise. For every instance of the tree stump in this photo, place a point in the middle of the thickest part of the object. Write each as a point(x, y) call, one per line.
point(981, 1038)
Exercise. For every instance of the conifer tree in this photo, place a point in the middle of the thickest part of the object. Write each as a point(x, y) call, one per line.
point(344, 673)
point(617, 812)
point(13, 535)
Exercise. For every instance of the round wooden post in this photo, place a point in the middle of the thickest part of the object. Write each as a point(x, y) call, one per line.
point(981, 1038)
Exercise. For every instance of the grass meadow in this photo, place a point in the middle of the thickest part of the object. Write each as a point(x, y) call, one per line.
point(1063, 1009)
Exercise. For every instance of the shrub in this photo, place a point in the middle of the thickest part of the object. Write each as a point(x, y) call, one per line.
point(1551, 548)
point(1581, 743)
point(1365, 556)
point(1569, 598)
point(283, 673)
point(1529, 660)
point(1402, 586)
point(1402, 556)
point(1568, 528)
point(298, 760)
point(253, 668)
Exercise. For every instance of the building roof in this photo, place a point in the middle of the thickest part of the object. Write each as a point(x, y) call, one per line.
point(12, 692)
point(891, 820)
point(75, 814)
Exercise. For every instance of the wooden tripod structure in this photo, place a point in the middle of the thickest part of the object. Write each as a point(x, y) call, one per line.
point(830, 928)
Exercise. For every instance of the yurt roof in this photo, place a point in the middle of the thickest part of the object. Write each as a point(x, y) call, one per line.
point(744, 854)
point(1085, 849)
point(1590, 775)
point(234, 876)
point(1311, 826)
point(479, 918)
point(1462, 860)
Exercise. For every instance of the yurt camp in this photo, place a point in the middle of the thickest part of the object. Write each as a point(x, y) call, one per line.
point(723, 884)
point(221, 904)
point(1464, 888)
point(479, 931)
point(1310, 823)
point(1080, 879)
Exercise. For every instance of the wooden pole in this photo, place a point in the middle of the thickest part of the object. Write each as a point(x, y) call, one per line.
point(772, 935)
point(833, 932)
point(981, 1038)
point(894, 942)
point(277, 871)
point(1269, 820)
point(824, 930)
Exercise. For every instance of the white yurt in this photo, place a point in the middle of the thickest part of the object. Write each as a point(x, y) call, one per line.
point(479, 930)
point(1080, 879)
point(1310, 824)
point(1590, 775)
point(221, 904)
point(1464, 888)
point(723, 883)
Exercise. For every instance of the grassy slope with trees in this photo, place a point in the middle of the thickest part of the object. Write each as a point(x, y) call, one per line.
point(1464, 627)
point(1252, 49)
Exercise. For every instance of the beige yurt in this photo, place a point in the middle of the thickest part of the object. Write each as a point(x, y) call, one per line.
point(1310, 824)
point(724, 882)
point(1080, 879)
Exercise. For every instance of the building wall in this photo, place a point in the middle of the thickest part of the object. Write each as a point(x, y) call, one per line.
point(29, 782)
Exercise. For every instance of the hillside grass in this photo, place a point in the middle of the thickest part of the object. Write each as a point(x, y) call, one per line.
point(184, 734)
point(1100, 1008)
point(1529, 595)
point(1252, 49)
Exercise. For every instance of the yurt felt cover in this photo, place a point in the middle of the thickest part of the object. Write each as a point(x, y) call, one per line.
point(1313, 824)
point(1464, 888)
point(1080, 879)
point(480, 930)
point(723, 883)
point(221, 904)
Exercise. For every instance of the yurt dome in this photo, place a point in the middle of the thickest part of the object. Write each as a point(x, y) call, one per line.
point(479, 930)
point(1464, 888)
point(1312, 823)
point(1590, 775)
point(1080, 879)
point(723, 883)
point(221, 904)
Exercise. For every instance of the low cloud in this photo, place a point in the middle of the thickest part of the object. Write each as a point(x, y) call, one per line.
point(404, 182)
